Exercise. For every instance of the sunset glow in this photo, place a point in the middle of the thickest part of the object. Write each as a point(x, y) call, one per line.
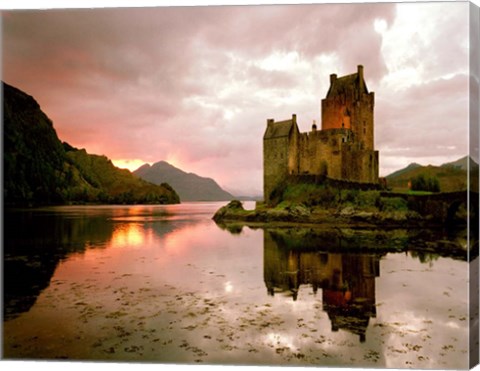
point(128, 235)
point(131, 165)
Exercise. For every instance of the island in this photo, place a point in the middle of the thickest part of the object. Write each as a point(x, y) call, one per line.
point(329, 177)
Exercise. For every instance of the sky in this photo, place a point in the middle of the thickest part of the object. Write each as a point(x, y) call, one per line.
point(194, 86)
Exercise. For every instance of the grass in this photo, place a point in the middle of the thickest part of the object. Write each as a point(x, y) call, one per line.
point(312, 195)
point(419, 193)
point(410, 192)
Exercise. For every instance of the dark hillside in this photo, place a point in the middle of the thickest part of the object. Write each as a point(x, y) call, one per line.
point(33, 155)
point(40, 170)
point(101, 181)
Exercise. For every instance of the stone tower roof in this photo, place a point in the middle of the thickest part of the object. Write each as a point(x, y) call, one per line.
point(347, 85)
point(280, 128)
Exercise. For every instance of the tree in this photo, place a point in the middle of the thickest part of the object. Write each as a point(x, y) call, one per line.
point(424, 183)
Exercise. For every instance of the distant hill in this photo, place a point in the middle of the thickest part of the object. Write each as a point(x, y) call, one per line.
point(398, 173)
point(452, 176)
point(249, 198)
point(461, 163)
point(189, 186)
point(40, 170)
point(106, 183)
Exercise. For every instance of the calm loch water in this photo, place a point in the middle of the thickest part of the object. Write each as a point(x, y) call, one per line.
point(166, 284)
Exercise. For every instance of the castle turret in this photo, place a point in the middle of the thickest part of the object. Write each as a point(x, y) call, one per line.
point(279, 153)
point(360, 72)
point(349, 105)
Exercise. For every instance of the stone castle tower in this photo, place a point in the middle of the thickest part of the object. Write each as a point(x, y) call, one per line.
point(342, 150)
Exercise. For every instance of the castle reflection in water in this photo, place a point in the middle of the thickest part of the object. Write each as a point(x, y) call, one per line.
point(347, 280)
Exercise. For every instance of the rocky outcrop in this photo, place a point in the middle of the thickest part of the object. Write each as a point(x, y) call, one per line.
point(233, 211)
point(298, 213)
point(379, 217)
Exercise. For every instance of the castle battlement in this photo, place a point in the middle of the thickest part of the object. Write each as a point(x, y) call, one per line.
point(342, 150)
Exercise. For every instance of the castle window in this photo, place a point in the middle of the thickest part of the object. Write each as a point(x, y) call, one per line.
point(364, 131)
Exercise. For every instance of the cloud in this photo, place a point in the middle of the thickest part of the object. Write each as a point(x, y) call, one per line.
point(195, 85)
point(429, 40)
point(426, 123)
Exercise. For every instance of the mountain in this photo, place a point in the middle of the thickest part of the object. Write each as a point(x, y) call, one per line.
point(398, 173)
point(33, 154)
point(461, 163)
point(451, 176)
point(106, 183)
point(190, 187)
point(41, 170)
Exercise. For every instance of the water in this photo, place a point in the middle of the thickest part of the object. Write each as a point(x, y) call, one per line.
point(166, 284)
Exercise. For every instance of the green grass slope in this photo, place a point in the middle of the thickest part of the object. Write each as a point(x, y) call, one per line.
point(98, 180)
point(451, 178)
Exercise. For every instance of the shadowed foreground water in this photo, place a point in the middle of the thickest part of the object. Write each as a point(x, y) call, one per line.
point(166, 284)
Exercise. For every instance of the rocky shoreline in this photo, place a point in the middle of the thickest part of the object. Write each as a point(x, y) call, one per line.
point(300, 214)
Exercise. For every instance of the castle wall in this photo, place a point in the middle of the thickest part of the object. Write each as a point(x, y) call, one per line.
point(321, 152)
point(359, 165)
point(362, 121)
point(342, 112)
point(331, 153)
point(293, 152)
point(334, 113)
point(275, 163)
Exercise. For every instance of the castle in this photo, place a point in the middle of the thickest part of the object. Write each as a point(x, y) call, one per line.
point(342, 150)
